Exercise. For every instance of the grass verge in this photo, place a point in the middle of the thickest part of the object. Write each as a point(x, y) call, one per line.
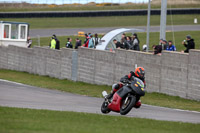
point(95, 90)
point(110, 21)
point(154, 39)
point(42, 121)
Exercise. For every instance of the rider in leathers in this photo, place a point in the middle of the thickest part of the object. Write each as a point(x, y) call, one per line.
point(139, 73)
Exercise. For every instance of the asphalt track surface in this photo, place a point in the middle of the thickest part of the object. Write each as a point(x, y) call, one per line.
point(74, 31)
point(24, 96)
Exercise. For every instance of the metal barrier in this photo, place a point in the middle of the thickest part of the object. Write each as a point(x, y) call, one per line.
point(95, 13)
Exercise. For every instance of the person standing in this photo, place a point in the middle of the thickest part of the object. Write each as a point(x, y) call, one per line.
point(188, 43)
point(29, 42)
point(164, 44)
point(170, 46)
point(57, 42)
point(123, 40)
point(86, 38)
point(53, 43)
point(78, 43)
point(69, 43)
point(136, 42)
point(96, 40)
point(91, 42)
point(86, 42)
point(117, 44)
point(157, 49)
point(128, 43)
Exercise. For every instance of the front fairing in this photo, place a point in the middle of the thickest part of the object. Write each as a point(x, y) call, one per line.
point(124, 91)
point(137, 86)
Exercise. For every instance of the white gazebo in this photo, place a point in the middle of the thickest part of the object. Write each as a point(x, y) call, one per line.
point(13, 33)
point(106, 42)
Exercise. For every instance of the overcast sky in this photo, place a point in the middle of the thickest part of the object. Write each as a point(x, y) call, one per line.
point(73, 1)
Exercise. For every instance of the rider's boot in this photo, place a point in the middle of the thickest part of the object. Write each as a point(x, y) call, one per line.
point(115, 87)
point(138, 104)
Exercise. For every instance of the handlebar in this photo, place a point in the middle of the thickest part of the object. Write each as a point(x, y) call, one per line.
point(125, 80)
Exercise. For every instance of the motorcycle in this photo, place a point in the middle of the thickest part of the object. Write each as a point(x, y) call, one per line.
point(125, 98)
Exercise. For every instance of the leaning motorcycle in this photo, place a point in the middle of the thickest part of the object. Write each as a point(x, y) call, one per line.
point(125, 98)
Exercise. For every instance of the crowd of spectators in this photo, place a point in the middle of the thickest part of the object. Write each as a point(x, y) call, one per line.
point(126, 42)
point(164, 45)
point(90, 42)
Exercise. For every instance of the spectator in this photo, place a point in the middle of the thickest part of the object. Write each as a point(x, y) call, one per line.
point(53, 43)
point(117, 44)
point(69, 43)
point(170, 46)
point(123, 39)
point(89, 34)
point(91, 42)
point(188, 43)
point(96, 40)
point(86, 38)
point(57, 42)
point(164, 44)
point(86, 43)
point(128, 43)
point(161, 42)
point(157, 49)
point(136, 42)
point(29, 42)
point(78, 43)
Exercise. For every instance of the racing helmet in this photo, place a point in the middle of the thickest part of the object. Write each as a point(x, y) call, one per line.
point(139, 72)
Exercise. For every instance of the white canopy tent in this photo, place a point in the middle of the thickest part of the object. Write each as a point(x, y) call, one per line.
point(107, 40)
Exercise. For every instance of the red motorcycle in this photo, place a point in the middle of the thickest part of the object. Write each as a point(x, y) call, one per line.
point(125, 98)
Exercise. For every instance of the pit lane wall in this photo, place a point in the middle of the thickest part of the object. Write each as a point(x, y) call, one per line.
point(171, 73)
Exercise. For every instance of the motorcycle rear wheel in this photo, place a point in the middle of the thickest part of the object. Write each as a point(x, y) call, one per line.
point(126, 107)
point(104, 108)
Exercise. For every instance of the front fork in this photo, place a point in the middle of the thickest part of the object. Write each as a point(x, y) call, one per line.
point(125, 101)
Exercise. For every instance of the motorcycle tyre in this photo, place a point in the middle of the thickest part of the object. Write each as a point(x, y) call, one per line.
point(129, 107)
point(104, 109)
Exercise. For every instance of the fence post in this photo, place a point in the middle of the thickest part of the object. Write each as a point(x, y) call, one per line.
point(163, 19)
point(74, 65)
point(148, 25)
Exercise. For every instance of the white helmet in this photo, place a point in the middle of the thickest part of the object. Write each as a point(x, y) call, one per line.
point(144, 47)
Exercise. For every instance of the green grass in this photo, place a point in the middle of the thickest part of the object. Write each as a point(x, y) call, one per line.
point(53, 83)
point(154, 39)
point(111, 21)
point(15, 120)
point(95, 90)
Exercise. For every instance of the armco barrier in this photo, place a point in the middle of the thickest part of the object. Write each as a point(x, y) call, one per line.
point(171, 73)
point(95, 13)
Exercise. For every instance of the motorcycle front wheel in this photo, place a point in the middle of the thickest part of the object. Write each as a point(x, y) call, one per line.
point(127, 104)
point(104, 108)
